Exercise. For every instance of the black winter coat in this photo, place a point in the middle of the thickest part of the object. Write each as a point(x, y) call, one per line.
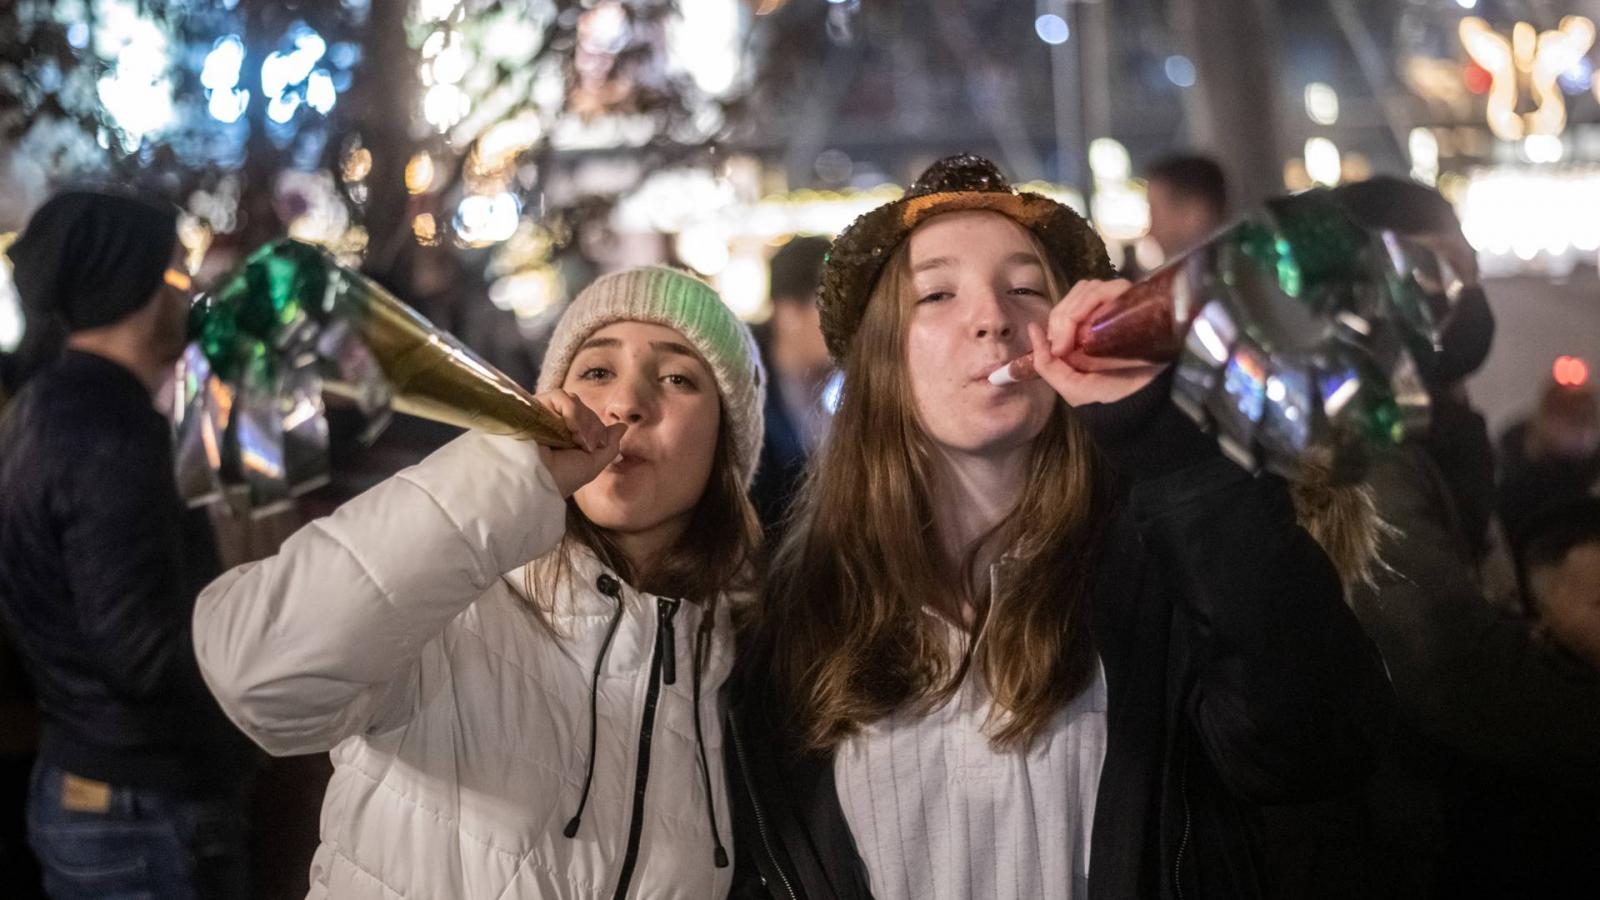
point(1236, 677)
point(100, 565)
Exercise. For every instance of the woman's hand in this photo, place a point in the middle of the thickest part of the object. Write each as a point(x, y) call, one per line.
point(1079, 378)
point(598, 444)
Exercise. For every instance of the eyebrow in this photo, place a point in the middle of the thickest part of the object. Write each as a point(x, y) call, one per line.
point(595, 342)
point(675, 348)
point(611, 343)
point(1021, 257)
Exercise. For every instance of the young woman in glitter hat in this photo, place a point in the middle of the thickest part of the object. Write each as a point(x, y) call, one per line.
point(1028, 640)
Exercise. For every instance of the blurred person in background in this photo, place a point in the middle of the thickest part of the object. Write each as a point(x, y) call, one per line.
point(141, 785)
point(1188, 201)
point(1537, 837)
point(798, 365)
point(1487, 709)
point(1559, 561)
point(1554, 455)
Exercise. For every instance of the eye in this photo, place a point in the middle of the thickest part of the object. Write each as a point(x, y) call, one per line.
point(680, 380)
point(1027, 292)
point(594, 373)
point(935, 296)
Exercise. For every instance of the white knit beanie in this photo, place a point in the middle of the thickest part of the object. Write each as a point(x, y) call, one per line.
point(691, 307)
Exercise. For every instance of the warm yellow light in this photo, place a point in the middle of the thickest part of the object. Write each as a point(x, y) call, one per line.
point(1294, 175)
point(177, 279)
point(1355, 167)
point(1538, 58)
point(1524, 44)
point(425, 230)
point(1493, 52)
point(358, 165)
point(1559, 51)
point(419, 173)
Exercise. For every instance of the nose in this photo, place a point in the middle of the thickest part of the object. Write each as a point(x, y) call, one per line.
point(991, 318)
point(630, 400)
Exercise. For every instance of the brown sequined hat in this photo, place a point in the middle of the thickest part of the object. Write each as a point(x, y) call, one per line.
point(952, 184)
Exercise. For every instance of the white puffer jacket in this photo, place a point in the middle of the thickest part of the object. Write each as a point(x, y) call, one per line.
point(391, 633)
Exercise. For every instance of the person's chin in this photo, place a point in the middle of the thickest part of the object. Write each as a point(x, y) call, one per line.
point(1009, 421)
point(995, 437)
point(614, 502)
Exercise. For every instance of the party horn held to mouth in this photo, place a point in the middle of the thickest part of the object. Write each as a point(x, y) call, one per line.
point(1139, 324)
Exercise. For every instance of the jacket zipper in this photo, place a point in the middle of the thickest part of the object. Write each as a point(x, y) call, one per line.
point(665, 649)
point(755, 803)
point(1183, 844)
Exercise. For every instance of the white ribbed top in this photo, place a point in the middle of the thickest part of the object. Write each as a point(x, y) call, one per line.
point(938, 814)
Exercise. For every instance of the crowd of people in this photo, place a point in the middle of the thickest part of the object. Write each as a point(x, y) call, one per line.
point(813, 610)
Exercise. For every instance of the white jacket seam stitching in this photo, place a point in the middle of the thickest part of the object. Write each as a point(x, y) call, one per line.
point(481, 584)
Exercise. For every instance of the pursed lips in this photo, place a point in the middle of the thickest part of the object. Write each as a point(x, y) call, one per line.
point(630, 457)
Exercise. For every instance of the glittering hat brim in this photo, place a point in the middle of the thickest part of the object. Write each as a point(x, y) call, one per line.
point(861, 251)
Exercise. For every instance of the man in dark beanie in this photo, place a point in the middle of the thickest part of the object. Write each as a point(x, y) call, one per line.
point(141, 783)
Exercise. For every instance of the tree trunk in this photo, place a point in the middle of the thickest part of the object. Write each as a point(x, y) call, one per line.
point(388, 92)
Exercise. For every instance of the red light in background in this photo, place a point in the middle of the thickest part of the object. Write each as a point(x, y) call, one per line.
point(1477, 78)
point(1570, 371)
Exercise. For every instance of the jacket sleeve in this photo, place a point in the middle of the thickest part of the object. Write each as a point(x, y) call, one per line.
point(122, 531)
point(1466, 674)
point(1284, 692)
point(324, 640)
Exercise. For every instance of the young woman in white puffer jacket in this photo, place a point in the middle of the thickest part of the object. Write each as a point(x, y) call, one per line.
point(515, 654)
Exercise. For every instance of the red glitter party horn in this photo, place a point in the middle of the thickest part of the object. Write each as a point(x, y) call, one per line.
point(1139, 325)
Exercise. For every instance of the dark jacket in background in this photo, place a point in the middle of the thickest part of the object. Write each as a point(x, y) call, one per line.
point(783, 454)
point(100, 565)
point(1493, 772)
point(1236, 676)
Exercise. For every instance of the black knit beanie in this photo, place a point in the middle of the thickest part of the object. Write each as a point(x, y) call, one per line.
point(91, 258)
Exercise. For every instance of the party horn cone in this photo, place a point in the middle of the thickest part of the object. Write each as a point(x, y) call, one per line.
point(435, 376)
point(1143, 323)
point(291, 325)
point(1291, 336)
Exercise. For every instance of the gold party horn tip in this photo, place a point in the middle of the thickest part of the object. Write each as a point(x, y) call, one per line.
point(435, 376)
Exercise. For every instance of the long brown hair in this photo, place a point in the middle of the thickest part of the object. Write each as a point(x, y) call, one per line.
point(716, 553)
point(842, 632)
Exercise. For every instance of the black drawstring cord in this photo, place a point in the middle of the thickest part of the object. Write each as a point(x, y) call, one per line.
point(612, 589)
point(720, 857)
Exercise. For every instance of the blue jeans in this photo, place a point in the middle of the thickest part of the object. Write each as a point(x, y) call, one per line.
point(145, 845)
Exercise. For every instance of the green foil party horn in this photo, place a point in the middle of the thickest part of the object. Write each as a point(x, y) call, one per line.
point(291, 324)
point(1294, 336)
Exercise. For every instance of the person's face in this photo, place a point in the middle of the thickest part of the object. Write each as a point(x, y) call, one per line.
point(1177, 221)
point(170, 326)
point(798, 323)
point(977, 282)
point(1569, 433)
point(650, 377)
point(1563, 581)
